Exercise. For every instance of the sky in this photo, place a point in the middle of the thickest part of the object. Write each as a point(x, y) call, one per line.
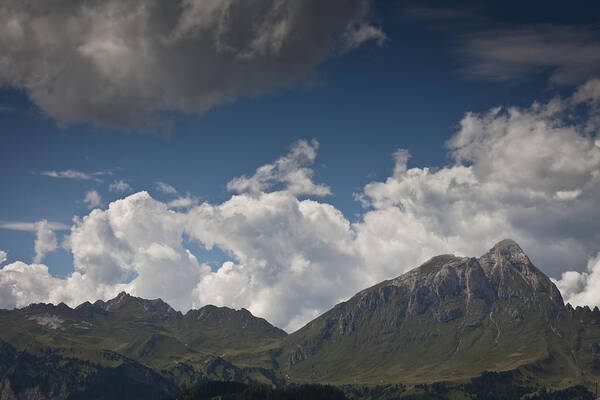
point(281, 155)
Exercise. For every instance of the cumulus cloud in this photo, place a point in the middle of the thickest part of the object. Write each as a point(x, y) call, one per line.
point(291, 256)
point(292, 171)
point(120, 186)
point(2, 256)
point(92, 199)
point(288, 257)
point(45, 240)
point(183, 202)
point(136, 237)
point(22, 284)
point(571, 53)
point(165, 188)
point(123, 65)
point(528, 173)
point(582, 288)
point(589, 94)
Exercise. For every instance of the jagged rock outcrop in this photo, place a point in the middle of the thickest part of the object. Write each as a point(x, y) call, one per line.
point(123, 300)
point(512, 274)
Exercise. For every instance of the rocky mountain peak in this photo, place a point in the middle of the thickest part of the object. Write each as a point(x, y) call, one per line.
point(512, 274)
point(213, 314)
point(124, 299)
point(217, 315)
point(242, 319)
point(506, 252)
point(448, 311)
point(114, 303)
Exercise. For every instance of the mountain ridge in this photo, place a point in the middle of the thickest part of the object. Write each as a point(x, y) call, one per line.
point(492, 270)
point(450, 319)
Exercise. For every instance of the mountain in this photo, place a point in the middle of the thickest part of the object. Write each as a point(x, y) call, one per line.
point(448, 320)
point(185, 349)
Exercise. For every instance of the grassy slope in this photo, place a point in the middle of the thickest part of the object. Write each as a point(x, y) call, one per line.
point(180, 348)
point(383, 344)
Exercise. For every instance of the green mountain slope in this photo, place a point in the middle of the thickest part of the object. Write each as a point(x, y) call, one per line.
point(448, 320)
point(186, 348)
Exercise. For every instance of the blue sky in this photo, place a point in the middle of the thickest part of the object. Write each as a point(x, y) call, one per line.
point(407, 83)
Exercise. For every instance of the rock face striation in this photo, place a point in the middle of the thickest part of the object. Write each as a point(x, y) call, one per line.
point(512, 274)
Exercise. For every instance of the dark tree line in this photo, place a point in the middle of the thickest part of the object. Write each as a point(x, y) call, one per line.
point(241, 391)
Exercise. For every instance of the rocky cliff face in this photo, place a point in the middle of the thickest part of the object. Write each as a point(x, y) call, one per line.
point(512, 274)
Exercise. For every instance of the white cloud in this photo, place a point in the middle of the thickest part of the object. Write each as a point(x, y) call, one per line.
point(183, 202)
point(589, 92)
point(119, 186)
point(291, 170)
point(291, 257)
point(67, 174)
point(31, 226)
point(2, 256)
point(567, 195)
point(363, 33)
point(582, 288)
point(74, 174)
point(527, 173)
point(45, 240)
point(136, 236)
point(122, 65)
point(92, 199)
point(22, 284)
point(165, 188)
point(288, 257)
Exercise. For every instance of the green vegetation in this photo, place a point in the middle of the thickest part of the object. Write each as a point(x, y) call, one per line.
point(238, 391)
point(184, 348)
point(52, 376)
point(489, 386)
